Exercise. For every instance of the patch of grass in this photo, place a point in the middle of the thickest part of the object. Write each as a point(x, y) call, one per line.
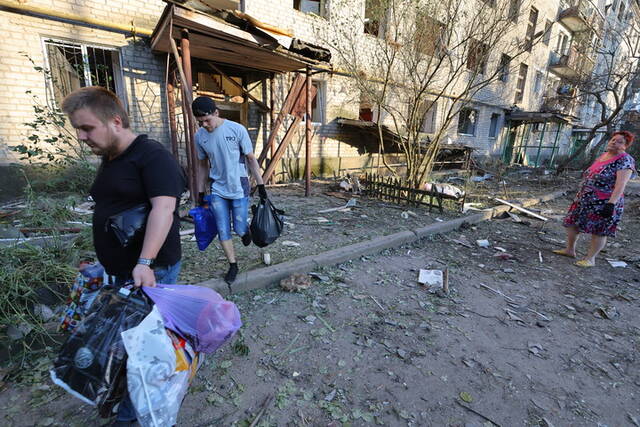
point(26, 270)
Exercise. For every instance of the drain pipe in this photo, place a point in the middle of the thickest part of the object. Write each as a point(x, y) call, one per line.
point(14, 6)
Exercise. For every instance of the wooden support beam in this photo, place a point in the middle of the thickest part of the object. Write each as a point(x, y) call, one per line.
point(259, 103)
point(287, 107)
point(271, 167)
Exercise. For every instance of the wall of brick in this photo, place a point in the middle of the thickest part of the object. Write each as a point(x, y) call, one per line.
point(22, 35)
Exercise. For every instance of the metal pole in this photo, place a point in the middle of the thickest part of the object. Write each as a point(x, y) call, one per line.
point(544, 126)
point(272, 115)
point(307, 138)
point(555, 143)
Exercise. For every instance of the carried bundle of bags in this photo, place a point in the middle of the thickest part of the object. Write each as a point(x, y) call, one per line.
point(149, 342)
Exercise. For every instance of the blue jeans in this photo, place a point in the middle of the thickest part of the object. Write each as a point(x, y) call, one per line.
point(166, 276)
point(223, 209)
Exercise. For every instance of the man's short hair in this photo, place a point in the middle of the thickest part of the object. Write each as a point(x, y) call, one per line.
point(203, 106)
point(102, 102)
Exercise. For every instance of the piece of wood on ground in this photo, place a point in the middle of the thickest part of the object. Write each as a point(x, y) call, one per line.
point(521, 209)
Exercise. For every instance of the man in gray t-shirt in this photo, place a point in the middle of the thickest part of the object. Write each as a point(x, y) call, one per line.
point(227, 146)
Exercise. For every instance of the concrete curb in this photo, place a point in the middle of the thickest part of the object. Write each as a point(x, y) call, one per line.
point(268, 276)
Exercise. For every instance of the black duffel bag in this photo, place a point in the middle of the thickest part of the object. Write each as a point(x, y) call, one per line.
point(266, 224)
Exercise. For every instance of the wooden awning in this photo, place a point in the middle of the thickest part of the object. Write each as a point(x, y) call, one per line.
point(213, 39)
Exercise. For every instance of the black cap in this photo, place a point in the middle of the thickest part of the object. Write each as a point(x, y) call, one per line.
point(202, 106)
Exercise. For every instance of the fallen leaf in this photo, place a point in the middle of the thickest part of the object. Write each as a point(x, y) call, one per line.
point(466, 397)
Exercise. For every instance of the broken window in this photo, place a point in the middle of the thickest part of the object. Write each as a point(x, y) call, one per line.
point(318, 103)
point(374, 12)
point(73, 66)
point(429, 120)
point(537, 83)
point(430, 36)
point(477, 56)
point(310, 6)
point(467, 119)
point(493, 126)
point(547, 32)
point(522, 81)
point(514, 9)
point(531, 29)
point(503, 68)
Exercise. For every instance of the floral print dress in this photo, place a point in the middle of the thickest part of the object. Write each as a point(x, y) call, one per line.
point(597, 186)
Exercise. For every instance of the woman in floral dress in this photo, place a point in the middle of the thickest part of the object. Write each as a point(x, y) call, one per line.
point(598, 206)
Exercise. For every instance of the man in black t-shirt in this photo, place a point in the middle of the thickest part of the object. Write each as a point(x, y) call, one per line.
point(135, 170)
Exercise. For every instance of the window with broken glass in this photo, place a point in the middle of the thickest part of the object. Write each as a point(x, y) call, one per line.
point(531, 29)
point(477, 56)
point(74, 65)
point(430, 36)
point(374, 13)
point(317, 7)
point(503, 68)
point(467, 119)
point(522, 81)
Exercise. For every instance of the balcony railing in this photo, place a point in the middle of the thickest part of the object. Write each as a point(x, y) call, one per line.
point(579, 15)
point(571, 65)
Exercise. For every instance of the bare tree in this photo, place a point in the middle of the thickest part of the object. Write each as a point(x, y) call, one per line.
point(423, 53)
point(609, 86)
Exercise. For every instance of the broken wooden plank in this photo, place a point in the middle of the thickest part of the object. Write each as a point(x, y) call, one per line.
point(271, 167)
point(521, 209)
point(259, 103)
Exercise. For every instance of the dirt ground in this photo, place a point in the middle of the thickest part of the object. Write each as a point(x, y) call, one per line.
point(528, 341)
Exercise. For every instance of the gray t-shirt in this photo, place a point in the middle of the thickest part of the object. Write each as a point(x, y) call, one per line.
point(226, 148)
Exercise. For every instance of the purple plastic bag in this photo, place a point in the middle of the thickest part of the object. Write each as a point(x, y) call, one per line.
point(200, 315)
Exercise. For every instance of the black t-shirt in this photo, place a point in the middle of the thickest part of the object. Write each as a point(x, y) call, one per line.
point(144, 170)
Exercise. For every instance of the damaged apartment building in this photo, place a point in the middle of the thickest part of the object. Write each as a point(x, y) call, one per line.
point(255, 58)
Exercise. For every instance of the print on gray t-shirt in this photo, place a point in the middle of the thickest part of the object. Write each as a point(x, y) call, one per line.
point(225, 147)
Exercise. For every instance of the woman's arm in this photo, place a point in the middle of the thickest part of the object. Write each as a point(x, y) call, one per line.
point(622, 177)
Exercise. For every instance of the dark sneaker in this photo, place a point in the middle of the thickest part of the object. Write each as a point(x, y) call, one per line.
point(230, 277)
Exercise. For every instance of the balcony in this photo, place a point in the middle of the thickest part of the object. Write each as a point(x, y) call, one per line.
point(554, 102)
point(579, 15)
point(573, 64)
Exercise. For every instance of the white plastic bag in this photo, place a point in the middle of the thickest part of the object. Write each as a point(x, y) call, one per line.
point(155, 388)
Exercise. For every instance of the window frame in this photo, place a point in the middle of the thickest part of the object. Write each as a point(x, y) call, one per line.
point(478, 53)
point(531, 28)
point(322, 7)
point(522, 81)
point(475, 122)
point(118, 73)
point(548, 26)
point(494, 125)
point(321, 88)
point(504, 68)
point(432, 115)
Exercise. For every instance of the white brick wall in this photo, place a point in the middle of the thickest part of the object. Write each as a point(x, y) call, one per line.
point(143, 72)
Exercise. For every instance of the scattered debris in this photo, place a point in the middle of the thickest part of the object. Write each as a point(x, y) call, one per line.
point(535, 348)
point(431, 278)
point(521, 209)
point(266, 258)
point(406, 214)
point(608, 313)
point(616, 264)
point(485, 177)
point(483, 243)
point(321, 277)
point(296, 283)
point(187, 232)
point(290, 244)
point(350, 204)
point(376, 301)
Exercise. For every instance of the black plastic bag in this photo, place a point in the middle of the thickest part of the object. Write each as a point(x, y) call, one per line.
point(92, 362)
point(129, 226)
point(266, 224)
